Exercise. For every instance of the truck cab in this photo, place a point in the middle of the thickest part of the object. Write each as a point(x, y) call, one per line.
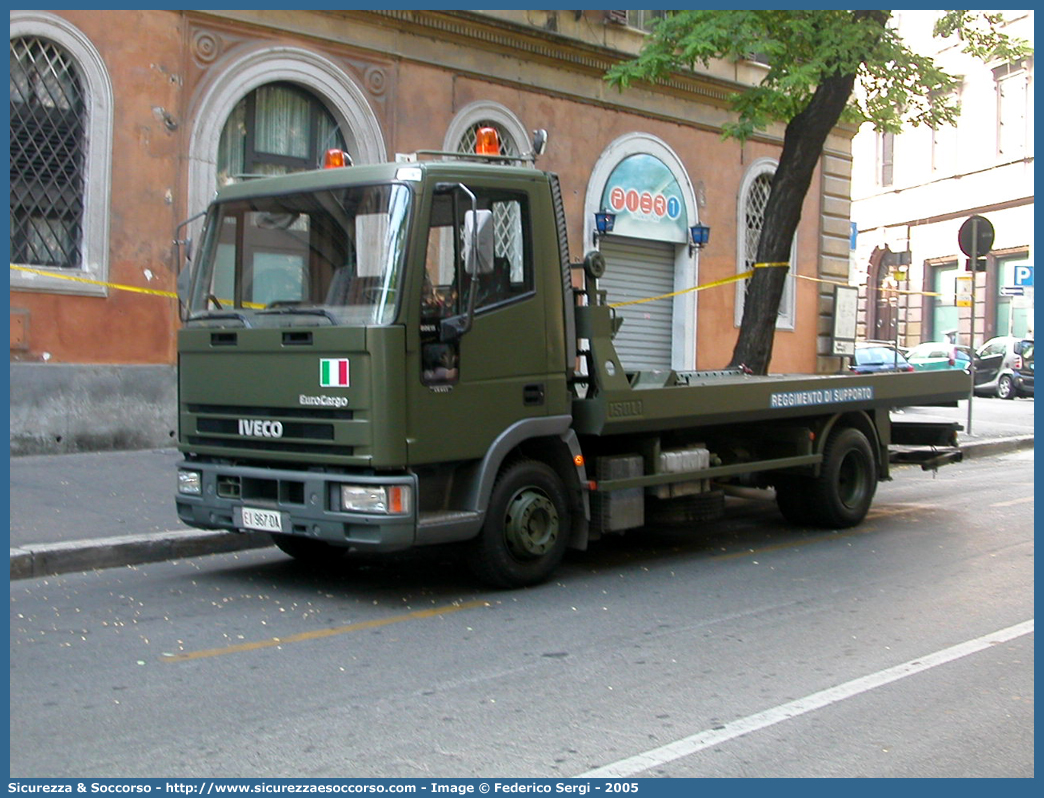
point(362, 347)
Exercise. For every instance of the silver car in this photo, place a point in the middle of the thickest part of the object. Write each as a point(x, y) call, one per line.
point(1004, 367)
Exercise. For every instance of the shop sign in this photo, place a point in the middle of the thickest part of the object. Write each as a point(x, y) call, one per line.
point(647, 200)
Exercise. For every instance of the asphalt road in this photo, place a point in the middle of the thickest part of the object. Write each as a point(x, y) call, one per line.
point(749, 648)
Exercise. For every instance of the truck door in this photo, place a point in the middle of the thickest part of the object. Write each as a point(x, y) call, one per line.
point(463, 393)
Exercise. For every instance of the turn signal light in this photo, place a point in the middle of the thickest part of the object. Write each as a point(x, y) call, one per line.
point(487, 142)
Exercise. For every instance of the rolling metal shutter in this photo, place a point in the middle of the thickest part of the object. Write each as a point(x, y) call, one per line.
point(637, 269)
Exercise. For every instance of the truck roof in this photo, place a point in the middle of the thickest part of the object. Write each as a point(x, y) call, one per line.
point(321, 179)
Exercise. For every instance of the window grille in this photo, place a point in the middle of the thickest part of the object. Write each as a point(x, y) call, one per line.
point(755, 200)
point(48, 123)
point(507, 144)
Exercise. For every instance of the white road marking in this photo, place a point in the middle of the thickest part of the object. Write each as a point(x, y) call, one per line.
point(1013, 502)
point(762, 720)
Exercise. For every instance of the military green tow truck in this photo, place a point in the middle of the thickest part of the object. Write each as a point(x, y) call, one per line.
point(381, 357)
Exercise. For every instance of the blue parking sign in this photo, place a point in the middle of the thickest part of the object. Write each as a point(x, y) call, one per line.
point(1024, 275)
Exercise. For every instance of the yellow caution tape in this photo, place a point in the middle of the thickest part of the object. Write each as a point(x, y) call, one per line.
point(132, 288)
point(882, 288)
point(750, 273)
point(74, 278)
point(724, 281)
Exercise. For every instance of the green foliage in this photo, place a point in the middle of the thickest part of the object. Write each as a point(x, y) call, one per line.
point(896, 86)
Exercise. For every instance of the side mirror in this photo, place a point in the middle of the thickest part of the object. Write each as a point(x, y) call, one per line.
point(183, 263)
point(539, 142)
point(184, 285)
point(478, 242)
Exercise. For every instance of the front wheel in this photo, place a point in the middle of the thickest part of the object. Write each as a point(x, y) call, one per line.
point(526, 531)
point(842, 493)
point(1006, 387)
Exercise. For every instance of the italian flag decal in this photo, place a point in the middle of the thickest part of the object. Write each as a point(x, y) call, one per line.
point(333, 372)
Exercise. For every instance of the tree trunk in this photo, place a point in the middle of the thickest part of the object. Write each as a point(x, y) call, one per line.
point(802, 146)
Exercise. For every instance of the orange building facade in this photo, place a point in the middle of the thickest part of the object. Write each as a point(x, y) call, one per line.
point(117, 139)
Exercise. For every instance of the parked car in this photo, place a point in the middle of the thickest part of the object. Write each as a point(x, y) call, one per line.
point(934, 355)
point(1004, 367)
point(873, 356)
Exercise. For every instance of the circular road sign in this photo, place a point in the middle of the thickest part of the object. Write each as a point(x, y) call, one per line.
point(976, 233)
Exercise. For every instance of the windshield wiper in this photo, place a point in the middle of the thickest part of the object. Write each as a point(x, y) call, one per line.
point(287, 310)
point(222, 314)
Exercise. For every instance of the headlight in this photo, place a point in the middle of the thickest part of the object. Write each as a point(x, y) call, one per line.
point(391, 500)
point(190, 482)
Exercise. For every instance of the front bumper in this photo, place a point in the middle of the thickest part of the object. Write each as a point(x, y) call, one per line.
point(303, 501)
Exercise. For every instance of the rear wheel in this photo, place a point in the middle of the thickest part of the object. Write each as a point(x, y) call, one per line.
point(1006, 387)
point(526, 531)
point(308, 550)
point(841, 495)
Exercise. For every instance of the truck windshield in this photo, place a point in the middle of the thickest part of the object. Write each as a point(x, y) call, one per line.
point(332, 254)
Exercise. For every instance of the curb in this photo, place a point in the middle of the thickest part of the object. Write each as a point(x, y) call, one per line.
point(994, 446)
point(49, 559)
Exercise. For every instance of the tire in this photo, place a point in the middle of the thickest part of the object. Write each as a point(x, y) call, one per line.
point(1006, 387)
point(526, 531)
point(841, 495)
point(794, 499)
point(318, 552)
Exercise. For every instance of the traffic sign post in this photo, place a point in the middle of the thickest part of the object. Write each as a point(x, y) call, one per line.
point(975, 238)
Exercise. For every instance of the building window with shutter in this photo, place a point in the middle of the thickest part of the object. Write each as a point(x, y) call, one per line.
point(1013, 101)
point(886, 158)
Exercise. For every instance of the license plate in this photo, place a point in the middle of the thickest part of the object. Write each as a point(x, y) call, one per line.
point(262, 520)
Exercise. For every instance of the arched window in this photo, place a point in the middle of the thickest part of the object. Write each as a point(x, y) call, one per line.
point(48, 120)
point(276, 129)
point(61, 141)
point(754, 194)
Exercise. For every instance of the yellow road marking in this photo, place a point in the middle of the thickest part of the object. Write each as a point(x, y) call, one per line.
point(318, 634)
point(899, 509)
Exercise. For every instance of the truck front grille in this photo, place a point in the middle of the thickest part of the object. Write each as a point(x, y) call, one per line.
point(302, 430)
point(291, 429)
point(270, 446)
point(246, 411)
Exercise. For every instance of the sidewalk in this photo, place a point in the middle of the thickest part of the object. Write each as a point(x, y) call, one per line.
point(77, 512)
